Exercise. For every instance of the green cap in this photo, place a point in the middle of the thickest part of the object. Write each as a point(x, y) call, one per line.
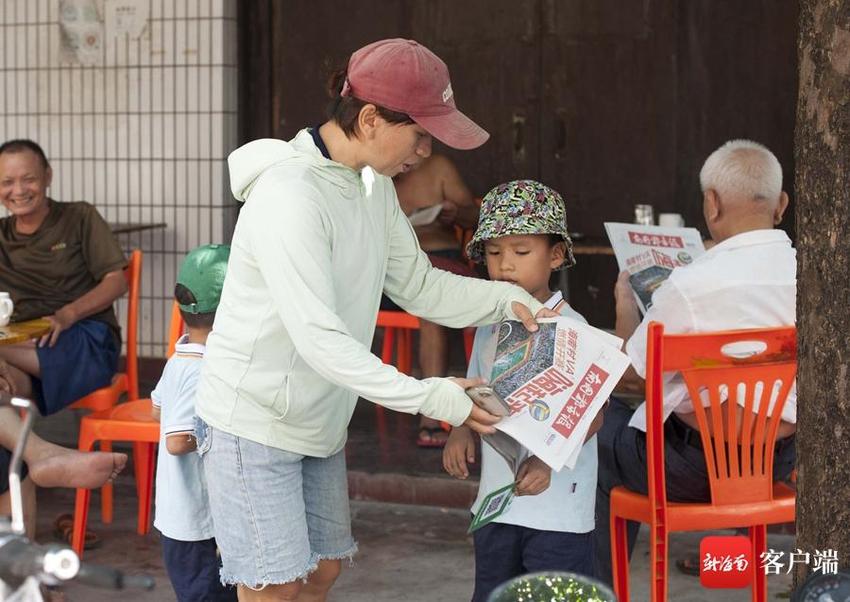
point(202, 272)
point(520, 207)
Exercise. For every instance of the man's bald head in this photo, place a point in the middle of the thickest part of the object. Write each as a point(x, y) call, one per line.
point(742, 189)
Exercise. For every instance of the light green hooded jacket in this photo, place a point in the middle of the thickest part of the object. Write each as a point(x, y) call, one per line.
point(315, 244)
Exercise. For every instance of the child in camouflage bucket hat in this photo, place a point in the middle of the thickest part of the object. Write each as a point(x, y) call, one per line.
point(521, 207)
point(522, 237)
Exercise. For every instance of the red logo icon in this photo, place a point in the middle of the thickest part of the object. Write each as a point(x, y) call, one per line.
point(726, 562)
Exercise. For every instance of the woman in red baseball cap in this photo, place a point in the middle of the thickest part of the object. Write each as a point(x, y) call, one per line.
point(320, 236)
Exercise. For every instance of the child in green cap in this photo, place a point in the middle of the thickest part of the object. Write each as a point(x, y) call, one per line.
point(522, 238)
point(182, 509)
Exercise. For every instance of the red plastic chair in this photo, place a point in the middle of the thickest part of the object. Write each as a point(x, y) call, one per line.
point(128, 381)
point(401, 324)
point(130, 421)
point(743, 493)
point(123, 382)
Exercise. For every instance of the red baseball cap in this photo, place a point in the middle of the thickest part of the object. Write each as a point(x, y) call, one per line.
point(404, 76)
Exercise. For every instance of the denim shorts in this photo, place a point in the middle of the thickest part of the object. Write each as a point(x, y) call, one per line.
point(276, 514)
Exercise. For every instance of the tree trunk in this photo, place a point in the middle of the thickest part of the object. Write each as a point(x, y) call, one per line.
point(822, 149)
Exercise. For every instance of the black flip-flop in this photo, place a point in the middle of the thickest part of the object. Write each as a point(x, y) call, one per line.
point(426, 437)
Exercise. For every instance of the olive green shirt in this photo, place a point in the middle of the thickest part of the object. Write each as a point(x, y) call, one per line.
point(64, 259)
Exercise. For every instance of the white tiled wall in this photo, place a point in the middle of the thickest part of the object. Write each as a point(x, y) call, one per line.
point(143, 135)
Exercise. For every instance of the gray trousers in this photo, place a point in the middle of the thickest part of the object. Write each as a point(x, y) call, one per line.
point(622, 461)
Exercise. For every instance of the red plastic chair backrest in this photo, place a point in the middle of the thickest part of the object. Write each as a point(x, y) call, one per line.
point(175, 328)
point(133, 273)
point(753, 369)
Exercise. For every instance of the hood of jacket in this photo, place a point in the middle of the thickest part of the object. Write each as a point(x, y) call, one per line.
point(250, 161)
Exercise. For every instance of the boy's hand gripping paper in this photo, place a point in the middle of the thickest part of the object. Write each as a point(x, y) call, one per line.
point(555, 381)
point(650, 253)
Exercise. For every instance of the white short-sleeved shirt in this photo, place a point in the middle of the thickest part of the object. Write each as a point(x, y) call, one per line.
point(568, 504)
point(746, 281)
point(182, 508)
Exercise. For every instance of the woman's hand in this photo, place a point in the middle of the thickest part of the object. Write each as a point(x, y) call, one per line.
point(62, 320)
point(458, 452)
point(479, 420)
point(533, 477)
point(523, 314)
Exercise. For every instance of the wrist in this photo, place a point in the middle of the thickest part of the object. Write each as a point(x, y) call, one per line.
point(68, 314)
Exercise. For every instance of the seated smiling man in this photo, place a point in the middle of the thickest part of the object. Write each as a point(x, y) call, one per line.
point(58, 261)
point(746, 280)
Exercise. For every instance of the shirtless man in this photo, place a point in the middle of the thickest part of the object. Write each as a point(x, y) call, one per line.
point(436, 181)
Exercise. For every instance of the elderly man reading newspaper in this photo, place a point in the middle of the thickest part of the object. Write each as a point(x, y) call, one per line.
point(747, 280)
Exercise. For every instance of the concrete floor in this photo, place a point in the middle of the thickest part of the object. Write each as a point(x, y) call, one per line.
point(407, 552)
point(411, 553)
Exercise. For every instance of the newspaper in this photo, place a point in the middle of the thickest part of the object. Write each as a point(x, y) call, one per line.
point(650, 253)
point(555, 381)
point(425, 215)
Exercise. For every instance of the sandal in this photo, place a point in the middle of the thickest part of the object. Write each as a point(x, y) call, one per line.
point(689, 565)
point(427, 437)
point(63, 530)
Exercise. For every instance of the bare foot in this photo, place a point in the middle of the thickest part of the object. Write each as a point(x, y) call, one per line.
point(70, 468)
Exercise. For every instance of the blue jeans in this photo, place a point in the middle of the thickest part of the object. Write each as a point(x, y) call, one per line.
point(622, 461)
point(276, 513)
point(503, 552)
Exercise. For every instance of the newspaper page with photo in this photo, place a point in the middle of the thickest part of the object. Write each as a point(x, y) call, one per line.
point(650, 253)
point(554, 381)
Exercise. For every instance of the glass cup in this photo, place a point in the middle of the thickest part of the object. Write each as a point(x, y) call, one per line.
point(644, 215)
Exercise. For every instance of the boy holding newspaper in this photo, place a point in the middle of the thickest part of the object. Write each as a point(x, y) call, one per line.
point(522, 237)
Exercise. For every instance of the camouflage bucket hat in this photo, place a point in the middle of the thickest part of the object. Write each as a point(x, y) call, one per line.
point(520, 207)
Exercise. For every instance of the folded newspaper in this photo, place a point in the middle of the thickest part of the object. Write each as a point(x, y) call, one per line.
point(650, 253)
point(425, 215)
point(555, 381)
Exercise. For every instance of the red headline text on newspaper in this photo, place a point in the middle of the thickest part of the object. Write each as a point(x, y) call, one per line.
point(663, 260)
point(548, 383)
point(656, 240)
point(579, 401)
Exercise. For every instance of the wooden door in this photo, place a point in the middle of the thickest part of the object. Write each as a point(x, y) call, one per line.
point(611, 103)
point(492, 49)
point(313, 38)
point(607, 107)
point(607, 124)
